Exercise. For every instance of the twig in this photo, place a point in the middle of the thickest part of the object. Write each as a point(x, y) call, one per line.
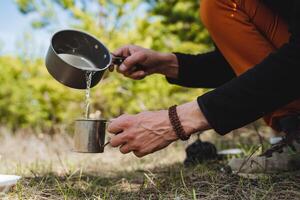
point(61, 163)
point(261, 138)
point(247, 159)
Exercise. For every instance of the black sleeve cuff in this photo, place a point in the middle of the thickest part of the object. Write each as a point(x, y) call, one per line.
point(211, 119)
point(207, 70)
point(184, 71)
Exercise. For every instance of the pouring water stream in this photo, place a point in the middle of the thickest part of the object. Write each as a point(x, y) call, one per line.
point(90, 69)
point(89, 77)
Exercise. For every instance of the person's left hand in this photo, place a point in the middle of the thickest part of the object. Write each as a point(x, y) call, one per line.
point(143, 133)
point(148, 132)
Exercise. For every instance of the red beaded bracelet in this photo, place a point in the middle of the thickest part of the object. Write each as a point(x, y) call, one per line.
point(176, 124)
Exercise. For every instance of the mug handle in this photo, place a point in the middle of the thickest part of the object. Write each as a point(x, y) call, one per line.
point(108, 142)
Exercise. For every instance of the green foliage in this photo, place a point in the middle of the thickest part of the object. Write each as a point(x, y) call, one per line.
point(30, 97)
point(116, 95)
point(25, 6)
point(180, 20)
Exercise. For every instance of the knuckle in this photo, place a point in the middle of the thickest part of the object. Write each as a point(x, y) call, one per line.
point(143, 152)
point(130, 137)
point(127, 120)
point(142, 55)
point(126, 125)
point(138, 56)
point(124, 117)
point(125, 47)
point(109, 128)
point(128, 62)
point(126, 75)
point(145, 113)
point(138, 154)
point(124, 150)
point(139, 147)
point(113, 143)
point(135, 146)
point(141, 77)
point(136, 78)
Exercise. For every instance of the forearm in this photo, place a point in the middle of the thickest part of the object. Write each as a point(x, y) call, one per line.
point(169, 65)
point(192, 118)
point(208, 70)
point(263, 89)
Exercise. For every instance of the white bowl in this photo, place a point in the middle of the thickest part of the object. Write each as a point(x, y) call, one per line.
point(7, 181)
point(230, 152)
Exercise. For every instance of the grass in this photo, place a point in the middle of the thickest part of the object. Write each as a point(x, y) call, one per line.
point(50, 171)
point(207, 181)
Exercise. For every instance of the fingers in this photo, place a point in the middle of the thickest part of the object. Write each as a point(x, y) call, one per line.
point(126, 148)
point(134, 56)
point(131, 146)
point(137, 75)
point(117, 125)
point(138, 154)
point(122, 138)
point(132, 61)
point(119, 139)
point(123, 51)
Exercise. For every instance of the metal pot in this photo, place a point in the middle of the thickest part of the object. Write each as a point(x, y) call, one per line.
point(72, 53)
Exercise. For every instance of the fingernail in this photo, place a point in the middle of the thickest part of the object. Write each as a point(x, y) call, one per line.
point(122, 67)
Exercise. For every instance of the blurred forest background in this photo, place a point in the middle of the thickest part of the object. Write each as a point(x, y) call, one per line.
point(31, 98)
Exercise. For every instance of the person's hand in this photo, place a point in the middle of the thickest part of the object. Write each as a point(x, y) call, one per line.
point(141, 62)
point(143, 133)
point(148, 132)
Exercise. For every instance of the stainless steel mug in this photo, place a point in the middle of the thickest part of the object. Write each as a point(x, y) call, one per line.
point(89, 135)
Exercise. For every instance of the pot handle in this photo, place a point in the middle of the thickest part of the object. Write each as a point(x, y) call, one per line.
point(117, 60)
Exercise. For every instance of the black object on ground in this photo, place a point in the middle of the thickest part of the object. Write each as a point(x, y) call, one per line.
point(198, 152)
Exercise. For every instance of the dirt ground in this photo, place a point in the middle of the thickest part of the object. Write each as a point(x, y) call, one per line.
point(50, 170)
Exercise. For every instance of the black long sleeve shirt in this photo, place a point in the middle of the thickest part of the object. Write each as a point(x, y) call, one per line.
point(266, 87)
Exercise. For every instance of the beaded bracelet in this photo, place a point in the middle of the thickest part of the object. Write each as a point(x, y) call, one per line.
point(176, 124)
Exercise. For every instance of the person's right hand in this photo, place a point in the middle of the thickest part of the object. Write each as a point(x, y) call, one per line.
point(141, 62)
